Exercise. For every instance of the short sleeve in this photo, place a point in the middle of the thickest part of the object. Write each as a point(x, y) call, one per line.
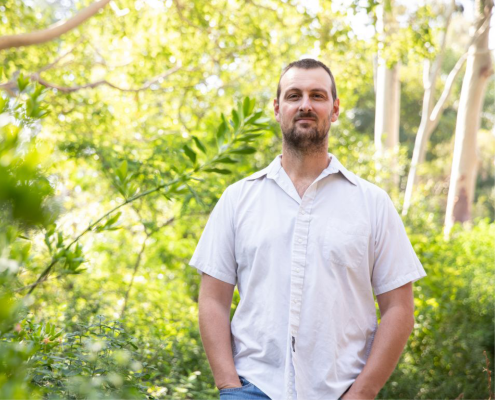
point(395, 262)
point(214, 254)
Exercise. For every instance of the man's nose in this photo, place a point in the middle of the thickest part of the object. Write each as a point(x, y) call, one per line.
point(305, 105)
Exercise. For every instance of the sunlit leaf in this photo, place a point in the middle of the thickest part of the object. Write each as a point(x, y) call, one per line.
point(218, 171)
point(189, 153)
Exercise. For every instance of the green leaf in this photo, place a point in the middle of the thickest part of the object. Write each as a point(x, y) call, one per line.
point(112, 220)
point(254, 117)
point(261, 121)
point(178, 189)
point(235, 119)
point(226, 160)
point(200, 145)
point(243, 150)
point(3, 104)
point(248, 137)
point(60, 239)
point(190, 153)
point(222, 130)
point(122, 171)
point(218, 171)
point(22, 82)
point(240, 111)
point(246, 107)
point(133, 345)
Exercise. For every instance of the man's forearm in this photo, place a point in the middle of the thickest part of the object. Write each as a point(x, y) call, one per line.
point(214, 325)
point(391, 337)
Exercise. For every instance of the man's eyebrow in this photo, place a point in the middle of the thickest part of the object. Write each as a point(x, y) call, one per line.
point(298, 90)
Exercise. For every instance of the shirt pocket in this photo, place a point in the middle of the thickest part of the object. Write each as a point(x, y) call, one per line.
point(345, 244)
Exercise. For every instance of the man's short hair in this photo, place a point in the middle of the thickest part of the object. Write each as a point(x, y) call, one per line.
point(308, 63)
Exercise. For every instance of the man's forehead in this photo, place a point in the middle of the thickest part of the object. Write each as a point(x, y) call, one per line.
point(299, 78)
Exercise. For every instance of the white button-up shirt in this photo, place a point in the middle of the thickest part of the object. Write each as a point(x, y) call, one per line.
point(306, 270)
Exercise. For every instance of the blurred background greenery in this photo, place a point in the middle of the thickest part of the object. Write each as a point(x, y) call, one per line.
point(119, 136)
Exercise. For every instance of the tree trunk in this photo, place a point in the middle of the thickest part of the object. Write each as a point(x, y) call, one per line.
point(387, 111)
point(430, 114)
point(464, 165)
point(387, 108)
point(387, 104)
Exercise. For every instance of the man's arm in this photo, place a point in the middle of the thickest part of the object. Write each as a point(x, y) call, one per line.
point(397, 322)
point(215, 299)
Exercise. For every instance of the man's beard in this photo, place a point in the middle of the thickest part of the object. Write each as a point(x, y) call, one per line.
point(307, 141)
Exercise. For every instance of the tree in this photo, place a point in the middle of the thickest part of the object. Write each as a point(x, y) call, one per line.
point(464, 165)
point(431, 111)
point(387, 111)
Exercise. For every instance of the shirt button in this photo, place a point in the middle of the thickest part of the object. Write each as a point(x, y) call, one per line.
point(299, 240)
point(297, 270)
point(302, 212)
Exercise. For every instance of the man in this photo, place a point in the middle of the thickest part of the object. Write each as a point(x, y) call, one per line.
point(308, 243)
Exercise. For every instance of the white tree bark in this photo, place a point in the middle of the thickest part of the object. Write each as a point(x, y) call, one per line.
point(387, 92)
point(464, 165)
point(387, 105)
point(387, 109)
point(54, 31)
point(431, 113)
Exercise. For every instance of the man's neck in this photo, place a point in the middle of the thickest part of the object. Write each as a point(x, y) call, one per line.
point(304, 168)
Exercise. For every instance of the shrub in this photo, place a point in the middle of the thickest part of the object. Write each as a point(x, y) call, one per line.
point(454, 318)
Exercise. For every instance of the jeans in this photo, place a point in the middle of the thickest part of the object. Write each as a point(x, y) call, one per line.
point(247, 392)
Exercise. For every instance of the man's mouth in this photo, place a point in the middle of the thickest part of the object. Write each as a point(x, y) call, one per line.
point(305, 118)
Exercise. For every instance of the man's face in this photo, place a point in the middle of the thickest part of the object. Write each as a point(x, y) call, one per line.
point(306, 109)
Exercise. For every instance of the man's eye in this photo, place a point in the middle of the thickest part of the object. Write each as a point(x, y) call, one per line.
point(292, 96)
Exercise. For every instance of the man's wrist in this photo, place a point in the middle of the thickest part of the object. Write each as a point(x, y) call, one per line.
point(231, 384)
point(360, 391)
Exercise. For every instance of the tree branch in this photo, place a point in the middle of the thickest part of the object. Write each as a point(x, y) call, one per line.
point(437, 111)
point(69, 89)
point(90, 227)
point(449, 83)
point(54, 31)
point(439, 59)
point(61, 57)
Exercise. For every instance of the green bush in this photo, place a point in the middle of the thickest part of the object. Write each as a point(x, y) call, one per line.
point(454, 318)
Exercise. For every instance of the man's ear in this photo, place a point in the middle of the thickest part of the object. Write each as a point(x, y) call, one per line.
point(336, 110)
point(276, 109)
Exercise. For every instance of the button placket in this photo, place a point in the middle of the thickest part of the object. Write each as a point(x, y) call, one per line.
point(298, 256)
point(298, 265)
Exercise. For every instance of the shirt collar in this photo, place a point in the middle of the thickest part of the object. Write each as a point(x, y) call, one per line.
point(335, 166)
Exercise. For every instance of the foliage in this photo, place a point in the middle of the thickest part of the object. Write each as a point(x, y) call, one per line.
point(454, 317)
point(24, 206)
point(105, 189)
point(97, 361)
